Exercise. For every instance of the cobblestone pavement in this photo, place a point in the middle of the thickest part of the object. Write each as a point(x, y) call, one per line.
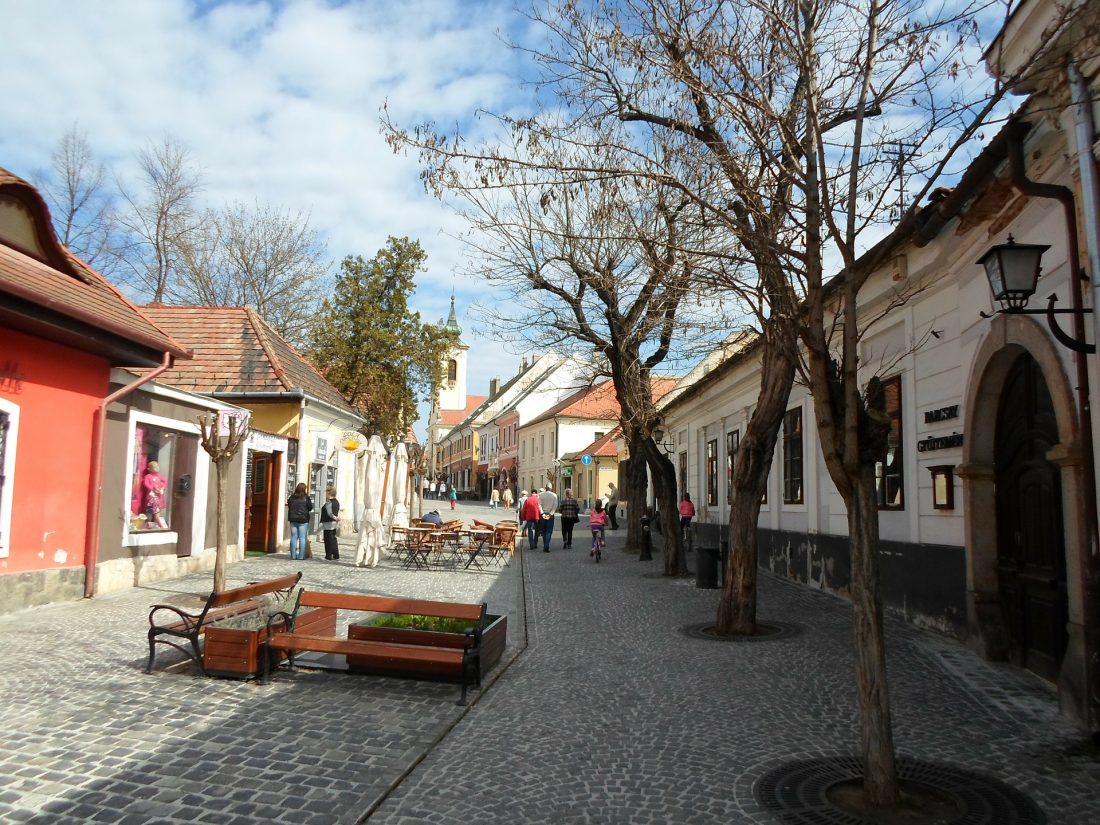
point(610, 715)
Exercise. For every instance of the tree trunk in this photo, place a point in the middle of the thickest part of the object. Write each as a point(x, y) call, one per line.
point(664, 486)
point(637, 489)
point(737, 605)
point(880, 781)
point(221, 466)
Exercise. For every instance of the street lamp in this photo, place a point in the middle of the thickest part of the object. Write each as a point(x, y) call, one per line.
point(1013, 271)
point(659, 439)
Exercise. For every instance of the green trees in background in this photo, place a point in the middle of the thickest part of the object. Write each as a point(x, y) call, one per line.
point(370, 346)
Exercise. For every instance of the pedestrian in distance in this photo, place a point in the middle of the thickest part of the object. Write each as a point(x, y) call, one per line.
point(613, 505)
point(431, 490)
point(548, 504)
point(298, 508)
point(529, 514)
point(329, 522)
point(507, 499)
point(687, 511)
point(570, 515)
point(494, 498)
point(454, 497)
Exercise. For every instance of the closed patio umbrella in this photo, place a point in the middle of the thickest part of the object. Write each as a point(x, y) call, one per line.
point(372, 533)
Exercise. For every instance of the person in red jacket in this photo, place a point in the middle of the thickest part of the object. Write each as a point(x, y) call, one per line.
point(530, 513)
point(687, 511)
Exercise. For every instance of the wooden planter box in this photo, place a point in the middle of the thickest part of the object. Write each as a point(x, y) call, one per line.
point(236, 652)
point(493, 640)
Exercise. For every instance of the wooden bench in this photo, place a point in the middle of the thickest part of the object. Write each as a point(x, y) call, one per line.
point(390, 651)
point(172, 622)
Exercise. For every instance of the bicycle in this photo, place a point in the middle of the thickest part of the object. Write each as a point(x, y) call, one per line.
point(598, 544)
point(687, 533)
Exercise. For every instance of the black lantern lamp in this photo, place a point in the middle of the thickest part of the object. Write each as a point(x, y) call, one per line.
point(1013, 270)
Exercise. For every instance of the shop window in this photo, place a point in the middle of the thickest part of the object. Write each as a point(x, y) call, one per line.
point(889, 478)
point(792, 457)
point(9, 419)
point(162, 468)
point(712, 473)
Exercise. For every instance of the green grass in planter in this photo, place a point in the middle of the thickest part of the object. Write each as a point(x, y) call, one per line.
point(414, 622)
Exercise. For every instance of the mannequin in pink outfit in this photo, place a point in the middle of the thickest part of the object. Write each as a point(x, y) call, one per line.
point(153, 484)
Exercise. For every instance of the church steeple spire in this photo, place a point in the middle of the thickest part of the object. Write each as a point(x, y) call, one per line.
point(452, 319)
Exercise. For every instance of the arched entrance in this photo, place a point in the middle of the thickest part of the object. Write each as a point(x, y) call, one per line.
point(1031, 555)
point(1023, 475)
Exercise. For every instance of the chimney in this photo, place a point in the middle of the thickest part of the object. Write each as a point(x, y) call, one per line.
point(523, 364)
point(494, 386)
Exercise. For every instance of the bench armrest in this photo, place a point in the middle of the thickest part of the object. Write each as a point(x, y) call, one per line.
point(189, 620)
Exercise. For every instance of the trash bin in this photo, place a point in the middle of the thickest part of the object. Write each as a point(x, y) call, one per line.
point(706, 568)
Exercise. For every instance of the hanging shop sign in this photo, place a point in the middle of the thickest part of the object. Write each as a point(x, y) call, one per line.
point(351, 441)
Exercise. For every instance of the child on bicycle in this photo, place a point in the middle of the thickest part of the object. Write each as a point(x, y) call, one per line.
point(687, 511)
point(597, 523)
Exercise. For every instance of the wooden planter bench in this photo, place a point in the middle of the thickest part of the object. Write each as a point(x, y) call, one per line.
point(423, 656)
point(166, 620)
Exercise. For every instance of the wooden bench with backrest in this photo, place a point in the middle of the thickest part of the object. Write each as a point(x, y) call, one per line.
point(174, 623)
point(390, 651)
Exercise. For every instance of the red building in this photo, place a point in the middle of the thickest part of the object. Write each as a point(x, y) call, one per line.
point(63, 328)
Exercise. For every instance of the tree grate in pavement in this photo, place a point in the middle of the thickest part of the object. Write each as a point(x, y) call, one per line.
point(765, 632)
point(797, 793)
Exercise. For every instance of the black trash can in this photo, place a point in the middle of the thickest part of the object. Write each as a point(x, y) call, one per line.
point(706, 568)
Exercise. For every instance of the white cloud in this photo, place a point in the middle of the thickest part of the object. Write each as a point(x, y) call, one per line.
point(277, 101)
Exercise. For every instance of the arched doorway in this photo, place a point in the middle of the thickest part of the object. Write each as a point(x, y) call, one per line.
point(1031, 558)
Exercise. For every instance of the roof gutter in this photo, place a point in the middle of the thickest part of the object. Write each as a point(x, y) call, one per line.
point(95, 494)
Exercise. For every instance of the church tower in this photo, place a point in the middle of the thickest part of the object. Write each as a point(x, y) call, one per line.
point(452, 395)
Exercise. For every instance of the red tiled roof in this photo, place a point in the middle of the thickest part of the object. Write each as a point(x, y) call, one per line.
point(604, 446)
point(599, 402)
point(451, 418)
point(235, 351)
point(67, 286)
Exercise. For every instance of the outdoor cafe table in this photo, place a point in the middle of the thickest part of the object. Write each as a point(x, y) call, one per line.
point(478, 537)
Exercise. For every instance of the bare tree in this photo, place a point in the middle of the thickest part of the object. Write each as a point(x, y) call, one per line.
point(222, 453)
point(599, 258)
point(261, 257)
point(161, 218)
point(81, 202)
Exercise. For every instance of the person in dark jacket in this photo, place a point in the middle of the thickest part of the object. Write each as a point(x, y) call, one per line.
point(329, 522)
point(570, 515)
point(298, 508)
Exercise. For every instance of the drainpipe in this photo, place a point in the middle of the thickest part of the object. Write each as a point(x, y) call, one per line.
point(95, 495)
point(1064, 195)
point(1085, 130)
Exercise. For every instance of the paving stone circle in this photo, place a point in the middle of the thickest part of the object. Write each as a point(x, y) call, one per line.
point(796, 792)
point(768, 631)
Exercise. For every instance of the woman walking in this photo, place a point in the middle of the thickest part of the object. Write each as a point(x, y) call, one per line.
point(570, 515)
point(298, 508)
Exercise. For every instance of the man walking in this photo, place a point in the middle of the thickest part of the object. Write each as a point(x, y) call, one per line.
point(613, 505)
point(548, 502)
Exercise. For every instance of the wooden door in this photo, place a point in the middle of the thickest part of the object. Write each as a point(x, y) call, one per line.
point(258, 534)
point(1031, 558)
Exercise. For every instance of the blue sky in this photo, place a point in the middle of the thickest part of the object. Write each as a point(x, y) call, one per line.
point(277, 101)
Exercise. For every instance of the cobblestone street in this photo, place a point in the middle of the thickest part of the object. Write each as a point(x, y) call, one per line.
point(602, 710)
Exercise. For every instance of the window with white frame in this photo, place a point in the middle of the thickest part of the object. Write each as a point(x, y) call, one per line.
point(889, 476)
point(733, 441)
point(162, 460)
point(9, 431)
point(792, 457)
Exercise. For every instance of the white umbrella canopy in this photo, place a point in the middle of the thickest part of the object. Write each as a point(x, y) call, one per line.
point(399, 487)
point(372, 538)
